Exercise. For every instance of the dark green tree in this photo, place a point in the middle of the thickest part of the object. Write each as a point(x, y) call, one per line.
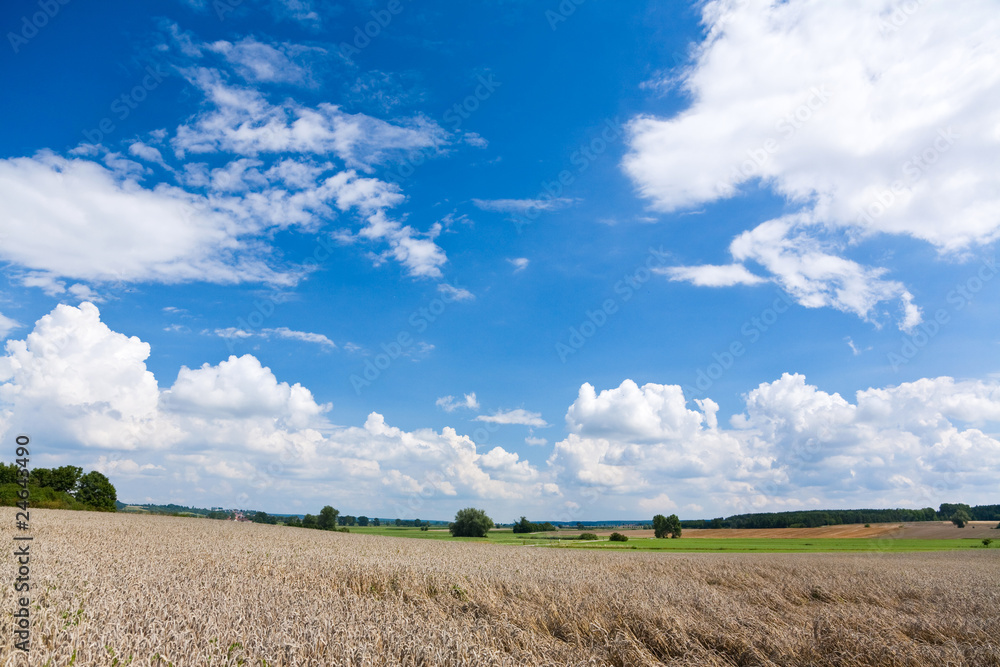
point(362, 520)
point(327, 518)
point(470, 522)
point(674, 526)
point(9, 473)
point(293, 522)
point(97, 491)
point(960, 518)
point(660, 528)
point(523, 526)
point(65, 478)
point(399, 522)
point(376, 522)
point(309, 521)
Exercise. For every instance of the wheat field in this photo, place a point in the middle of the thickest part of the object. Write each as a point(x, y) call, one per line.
point(114, 589)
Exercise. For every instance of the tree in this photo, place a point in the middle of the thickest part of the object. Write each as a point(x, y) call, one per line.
point(470, 522)
point(309, 521)
point(65, 478)
point(399, 522)
point(9, 473)
point(987, 542)
point(416, 523)
point(97, 491)
point(293, 522)
point(327, 519)
point(362, 520)
point(666, 525)
point(524, 526)
point(376, 522)
point(259, 517)
point(960, 518)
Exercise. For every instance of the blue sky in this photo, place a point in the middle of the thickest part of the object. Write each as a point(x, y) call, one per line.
point(575, 261)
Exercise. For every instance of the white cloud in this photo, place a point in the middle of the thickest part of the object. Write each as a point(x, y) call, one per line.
point(233, 425)
point(454, 293)
point(145, 152)
point(793, 446)
point(519, 263)
point(522, 206)
point(243, 122)
point(7, 325)
point(450, 403)
point(236, 428)
point(260, 62)
point(475, 140)
point(827, 105)
point(709, 275)
point(308, 337)
point(78, 219)
point(536, 442)
point(517, 416)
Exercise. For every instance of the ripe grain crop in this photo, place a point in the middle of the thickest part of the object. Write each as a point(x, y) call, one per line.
point(114, 589)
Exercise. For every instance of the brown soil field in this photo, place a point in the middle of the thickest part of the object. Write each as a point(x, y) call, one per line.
point(115, 589)
point(924, 530)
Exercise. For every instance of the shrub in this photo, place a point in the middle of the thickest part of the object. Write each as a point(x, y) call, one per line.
point(588, 536)
point(987, 542)
point(424, 527)
point(618, 537)
point(960, 518)
point(868, 525)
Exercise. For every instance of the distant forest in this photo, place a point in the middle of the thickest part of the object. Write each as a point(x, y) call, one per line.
point(814, 518)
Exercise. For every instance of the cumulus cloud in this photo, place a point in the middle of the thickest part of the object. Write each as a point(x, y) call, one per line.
point(793, 446)
point(518, 416)
point(827, 106)
point(233, 427)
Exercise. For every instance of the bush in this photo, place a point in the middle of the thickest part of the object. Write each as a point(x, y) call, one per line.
point(868, 525)
point(425, 527)
point(470, 522)
point(588, 536)
point(987, 542)
point(618, 537)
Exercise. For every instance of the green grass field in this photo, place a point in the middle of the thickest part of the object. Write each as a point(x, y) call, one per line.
point(563, 539)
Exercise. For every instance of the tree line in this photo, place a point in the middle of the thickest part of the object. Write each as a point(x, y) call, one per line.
point(816, 518)
point(66, 487)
